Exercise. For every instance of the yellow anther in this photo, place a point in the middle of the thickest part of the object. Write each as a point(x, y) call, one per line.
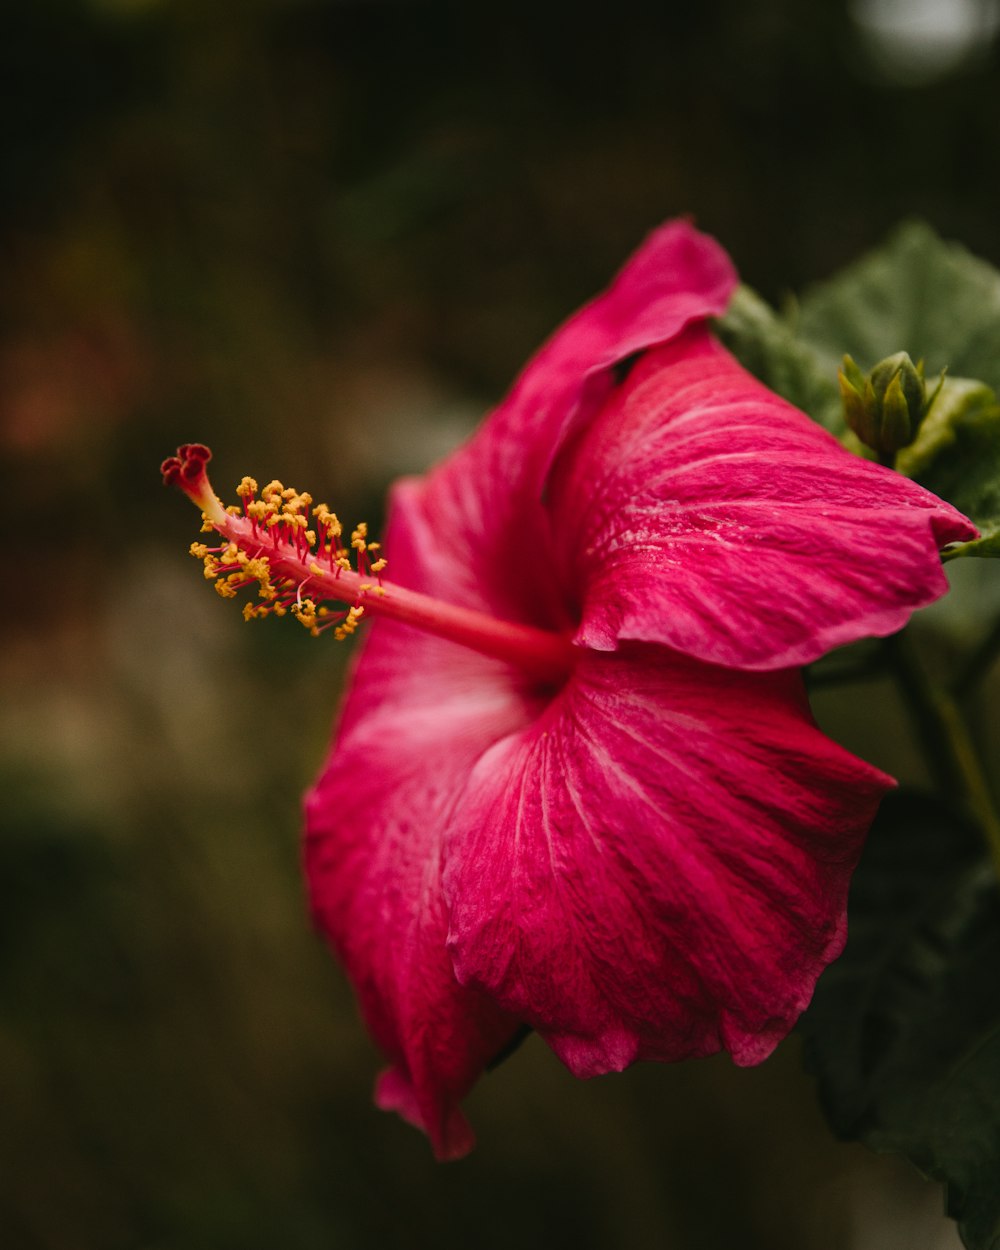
point(329, 521)
point(224, 588)
point(305, 613)
point(311, 537)
point(211, 567)
point(234, 510)
point(379, 565)
point(350, 623)
point(206, 525)
point(249, 611)
point(247, 488)
point(314, 568)
point(199, 550)
point(260, 509)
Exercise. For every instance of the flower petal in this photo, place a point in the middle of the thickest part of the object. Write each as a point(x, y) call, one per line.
point(484, 501)
point(700, 510)
point(658, 868)
point(419, 714)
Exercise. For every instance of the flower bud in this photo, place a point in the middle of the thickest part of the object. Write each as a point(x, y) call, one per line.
point(885, 407)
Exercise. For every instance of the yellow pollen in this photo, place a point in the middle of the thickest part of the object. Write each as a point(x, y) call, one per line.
point(259, 510)
point(350, 623)
point(296, 554)
point(305, 613)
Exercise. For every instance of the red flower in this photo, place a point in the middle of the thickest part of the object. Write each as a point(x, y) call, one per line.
point(607, 814)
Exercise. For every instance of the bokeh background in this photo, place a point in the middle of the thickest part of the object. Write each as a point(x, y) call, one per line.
point(322, 237)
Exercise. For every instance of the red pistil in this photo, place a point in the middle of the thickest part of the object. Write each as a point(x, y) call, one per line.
point(300, 570)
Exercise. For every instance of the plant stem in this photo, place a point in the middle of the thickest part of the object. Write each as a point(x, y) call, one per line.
point(946, 743)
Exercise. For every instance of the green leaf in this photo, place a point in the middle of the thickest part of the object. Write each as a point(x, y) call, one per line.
point(916, 294)
point(904, 1029)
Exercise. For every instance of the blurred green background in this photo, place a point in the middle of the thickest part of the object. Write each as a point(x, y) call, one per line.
point(322, 237)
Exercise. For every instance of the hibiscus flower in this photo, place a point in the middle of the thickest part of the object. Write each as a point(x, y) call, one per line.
point(575, 783)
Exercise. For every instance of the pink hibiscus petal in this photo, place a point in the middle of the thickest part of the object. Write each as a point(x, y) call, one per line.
point(658, 867)
point(700, 510)
point(484, 501)
point(678, 276)
point(419, 714)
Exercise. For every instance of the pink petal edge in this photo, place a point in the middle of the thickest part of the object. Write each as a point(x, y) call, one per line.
point(658, 868)
point(700, 510)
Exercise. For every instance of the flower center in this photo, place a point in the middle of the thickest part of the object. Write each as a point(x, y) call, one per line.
point(306, 570)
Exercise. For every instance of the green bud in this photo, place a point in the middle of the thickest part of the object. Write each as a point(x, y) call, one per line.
point(886, 406)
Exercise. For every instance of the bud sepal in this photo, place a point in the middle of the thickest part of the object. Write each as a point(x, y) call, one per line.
point(886, 406)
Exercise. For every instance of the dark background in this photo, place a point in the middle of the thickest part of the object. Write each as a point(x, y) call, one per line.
point(322, 237)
